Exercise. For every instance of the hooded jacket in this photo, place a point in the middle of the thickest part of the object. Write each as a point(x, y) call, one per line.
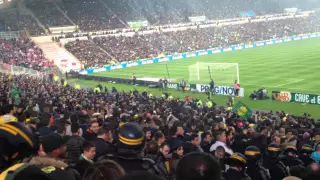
point(55, 168)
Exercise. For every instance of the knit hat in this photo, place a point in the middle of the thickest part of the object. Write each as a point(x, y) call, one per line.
point(53, 141)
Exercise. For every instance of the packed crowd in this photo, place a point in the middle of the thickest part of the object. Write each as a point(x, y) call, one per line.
point(11, 20)
point(143, 46)
point(23, 52)
point(57, 131)
point(91, 15)
point(48, 14)
point(96, 15)
point(88, 53)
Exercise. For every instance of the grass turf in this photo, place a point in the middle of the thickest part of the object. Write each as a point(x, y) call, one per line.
point(291, 66)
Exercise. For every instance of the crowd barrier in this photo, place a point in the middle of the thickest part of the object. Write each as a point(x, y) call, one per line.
point(118, 80)
point(197, 53)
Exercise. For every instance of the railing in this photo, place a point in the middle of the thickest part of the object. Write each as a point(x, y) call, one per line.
point(9, 34)
point(18, 70)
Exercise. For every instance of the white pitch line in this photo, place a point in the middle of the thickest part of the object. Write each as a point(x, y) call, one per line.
point(298, 80)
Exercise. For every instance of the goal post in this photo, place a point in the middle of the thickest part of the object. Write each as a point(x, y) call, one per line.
point(221, 73)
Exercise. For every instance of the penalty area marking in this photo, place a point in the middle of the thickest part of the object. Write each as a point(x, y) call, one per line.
point(298, 80)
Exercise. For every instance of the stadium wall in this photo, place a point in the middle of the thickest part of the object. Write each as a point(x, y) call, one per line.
point(197, 53)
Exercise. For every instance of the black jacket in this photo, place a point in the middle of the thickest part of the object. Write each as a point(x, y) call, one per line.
point(240, 143)
point(257, 172)
point(74, 148)
point(82, 165)
point(102, 148)
point(134, 162)
point(306, 159)
point(278, 171)
point(232, 174)
point(205, 147)
point(89, 135)
point(161, 162)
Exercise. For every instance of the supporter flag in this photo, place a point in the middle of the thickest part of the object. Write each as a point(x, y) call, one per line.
point(242, 110)
point(15, 95)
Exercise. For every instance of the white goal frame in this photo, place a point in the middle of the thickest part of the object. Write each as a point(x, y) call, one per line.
point(231, 64)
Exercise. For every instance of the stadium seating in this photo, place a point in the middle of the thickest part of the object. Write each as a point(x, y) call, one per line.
point(23, 52)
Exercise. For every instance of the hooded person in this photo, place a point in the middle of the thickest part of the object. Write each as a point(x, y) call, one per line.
point(51, 158)
point(254, 169)
point(8, 114)
point(236, 171)
point(20, 143)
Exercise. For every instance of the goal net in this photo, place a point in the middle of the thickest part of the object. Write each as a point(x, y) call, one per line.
point(221, 73)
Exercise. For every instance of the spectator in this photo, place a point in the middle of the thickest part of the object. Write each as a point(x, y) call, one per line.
point(86, 158)
point(195, 141)
point(198, 166)
point(53, 147)
point(159, 137)
point(206, 139)
point(176, 156)
point(103, 143)
point(152, 150)
point(8, 113)
point(104, 170)
point(74, 144)
point(316, 154)
point(221, 141)
point(163, 160)
point(91, 133)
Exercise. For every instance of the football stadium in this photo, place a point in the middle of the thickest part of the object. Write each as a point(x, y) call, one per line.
point(161, 90)
point(273, 67)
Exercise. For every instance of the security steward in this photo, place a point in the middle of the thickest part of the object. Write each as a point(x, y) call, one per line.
point(129, 145)
point(254, 169)
point(20, 143)
point(305, 154)
point(288, 158)
point(237, 163)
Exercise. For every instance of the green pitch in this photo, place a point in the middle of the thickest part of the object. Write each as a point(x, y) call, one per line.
point(292, 66)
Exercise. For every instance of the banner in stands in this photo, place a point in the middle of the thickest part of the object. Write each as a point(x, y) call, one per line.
point(200, 53)
point(197, 18)
point(138, 24)
point(247, 14)
point(172, 85)
point(65, 29)
point(220, 90)
point(66, 40)
point(290, 10)
point(295, 97)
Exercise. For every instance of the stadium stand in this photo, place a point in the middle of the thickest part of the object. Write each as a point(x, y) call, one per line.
point(23, 52)
point(48, 14)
